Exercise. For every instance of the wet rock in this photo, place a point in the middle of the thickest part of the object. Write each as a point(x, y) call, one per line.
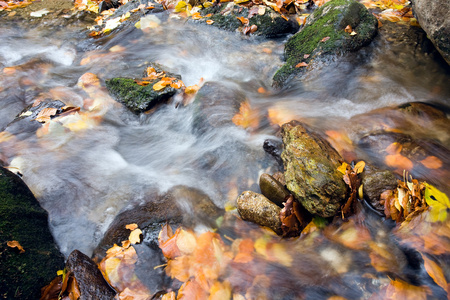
point(418, 119)
point(90, 280)
point(139, 98)
point(375, 181)
point(22, 275)
point(324, 35)
point(25, 121)
point(280, 177)
point(215, 105)
point(433, 18)
point(108, 4)
point(274, 148)
point(311, 170)
point(269, 25)
point(273, 189)
point(258, 209)
point(180, 205)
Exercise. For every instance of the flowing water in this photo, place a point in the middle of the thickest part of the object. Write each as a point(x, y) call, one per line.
point(85, 174)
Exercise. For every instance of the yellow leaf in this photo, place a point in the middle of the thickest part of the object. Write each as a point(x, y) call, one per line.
point(359, 167)
point(159, 86)
point(45, 114)
point(135, 236)
point(192, 89)
point(343, 167)
point(438, 202)
point(181, 6)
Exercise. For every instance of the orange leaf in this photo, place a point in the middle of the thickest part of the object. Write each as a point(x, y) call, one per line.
point(399, 161)
point(209, 22)
point(348, 29)
point(131, 226)
point(399, 290)
point(246, 117)
point(15, 244)
point(9, 70)
point(192, 89)
point(262, 90)
point(196, 16)
point(394, 148)
point(243, 20)
point(435, 272)
point(325, 39)
point(191, 290)
point(177, 85)
point(159, 85)
point(302, 64)
point(432, 162)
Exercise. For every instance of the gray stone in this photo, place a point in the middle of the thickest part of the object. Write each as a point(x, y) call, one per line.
point(433, 18)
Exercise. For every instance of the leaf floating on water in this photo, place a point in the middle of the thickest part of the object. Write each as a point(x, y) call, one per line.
point(15, 244)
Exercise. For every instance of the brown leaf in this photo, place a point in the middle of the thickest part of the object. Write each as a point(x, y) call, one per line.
point(348, 29)
point(15, 244)
point(246, 118)
point(290, 224)
point(46, 114)
point(325, 39)
point(52, 290)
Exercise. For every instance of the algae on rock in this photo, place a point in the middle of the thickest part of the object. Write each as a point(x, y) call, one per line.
point(324, 34)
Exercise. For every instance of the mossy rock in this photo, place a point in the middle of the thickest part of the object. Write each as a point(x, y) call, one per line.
point(312, 174)
point(139, 98)
point(22, 275)
point(324, 34)
point(270, 25)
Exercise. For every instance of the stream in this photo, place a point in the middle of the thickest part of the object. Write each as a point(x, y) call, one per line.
point(112, 159)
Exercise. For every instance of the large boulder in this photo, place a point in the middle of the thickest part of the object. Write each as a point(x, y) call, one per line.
point(433, 18)
point(23, 274)
point(311, 173)
point(325, 34)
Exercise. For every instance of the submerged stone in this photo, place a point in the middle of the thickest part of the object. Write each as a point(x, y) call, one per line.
point(324, 34)
point(375, 181)
point(23, 274)
point(312, 174)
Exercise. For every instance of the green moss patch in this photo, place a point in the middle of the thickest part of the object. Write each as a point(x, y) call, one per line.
point(22, 275)
point(324, 34)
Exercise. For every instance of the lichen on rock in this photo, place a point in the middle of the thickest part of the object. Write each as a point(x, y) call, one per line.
point(311, 170)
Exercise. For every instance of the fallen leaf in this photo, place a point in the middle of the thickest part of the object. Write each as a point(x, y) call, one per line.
point(439, 203)
point(209, 22)
point(135, 236)
point(431, 162)
point(46, 114)
point(243, 20)
point(435, 272)
point(302, 64)
point(359, 167)
point(159, 86)
point(348, 29)
point(15, 244)
point(325, 39)
point(262, 90)
point(246, 118)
